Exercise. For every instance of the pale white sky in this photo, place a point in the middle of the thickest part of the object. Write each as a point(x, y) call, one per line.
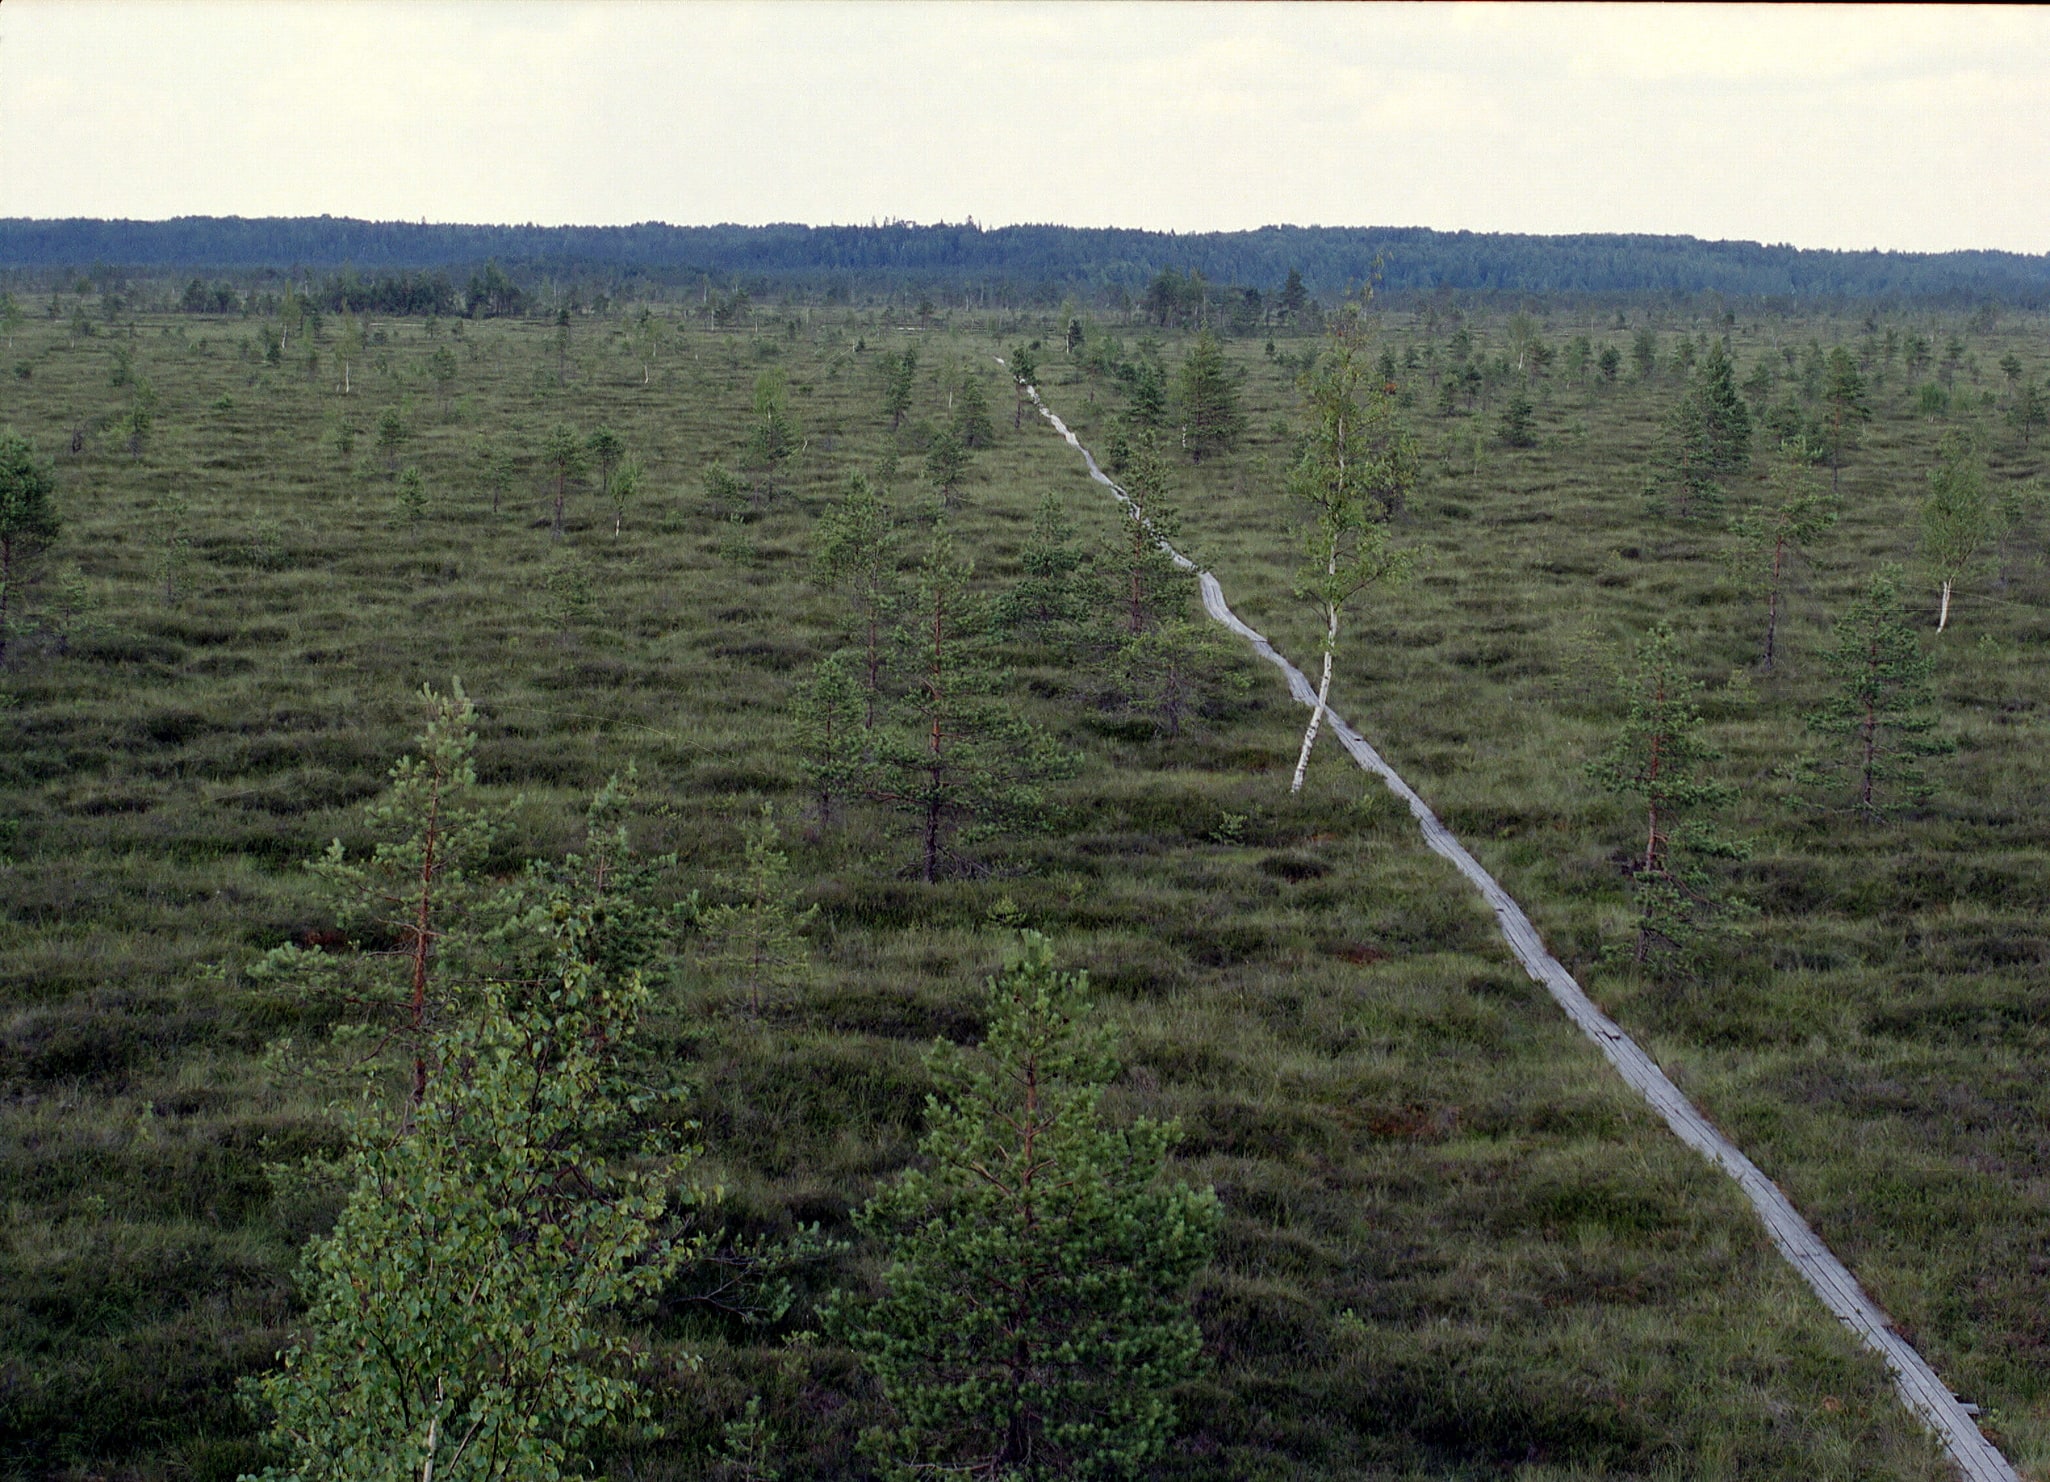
point(1916, 128)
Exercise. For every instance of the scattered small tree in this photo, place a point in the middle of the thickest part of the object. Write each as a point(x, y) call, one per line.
point(1794, 514)
point(1034, 1318)
point(962, 764)
point(392, 434)
point(410, 907)
point(1153, 589)
point(1056, 594)
point(900, 376)
point(1660, 759)
point(566, 590)
point(1519, 422)
point(563, 456)
point(441, 365)
point(1843, 395)
point(1207, 401)
point(454, 1330)
point(832, 738)
point(773, 439)
point(972, 424)
point(605, 448)
point(1024, 376)
point(2031, 410)
point(412, 499)
point(946, 464)
point(855, 548)
point(1959, 519)
point(1358, 462)
point(1877, 716)
point(28, 524)
point(625, 489)
point(757, 942)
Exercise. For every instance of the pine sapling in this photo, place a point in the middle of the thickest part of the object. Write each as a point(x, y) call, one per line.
point(1795, 512)
point(832, 737)
point(758, 942)
point(1034, 1319)
point(1660, 758)
point(1878, 716)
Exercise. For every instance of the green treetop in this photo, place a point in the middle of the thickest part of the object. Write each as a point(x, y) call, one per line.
point(1035, 1319)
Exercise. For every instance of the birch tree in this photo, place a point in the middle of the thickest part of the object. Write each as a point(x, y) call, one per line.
point(1958, 520)
point(1358, 462)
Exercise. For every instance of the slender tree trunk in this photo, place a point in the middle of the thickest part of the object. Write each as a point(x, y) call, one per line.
point(6, 588)
point(1302, 761)
point(1772, 606)
point(1943, 610)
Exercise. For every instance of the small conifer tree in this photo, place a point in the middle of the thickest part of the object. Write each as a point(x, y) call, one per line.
point(1661, 758)
point(972, 422)
point(1878, 716)
point(855, 548)
point(830, 732)
point(410, 908)
point(946, 464)
point(563, 456)
point(960, 762)
point(1035, 1318)
point(1152, 586)
point(1207, 401)
point(392, 434)
point(1845, 407)
point(1055, 599)
point(28, 523)
point(1793, 515)
point(412, 499)
point(773, 439)
point(1519, 422)
point(758, 941)
point(900, 377)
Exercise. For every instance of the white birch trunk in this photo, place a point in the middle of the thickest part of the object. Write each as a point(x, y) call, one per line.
point(1302, 761)
point(1943, 611)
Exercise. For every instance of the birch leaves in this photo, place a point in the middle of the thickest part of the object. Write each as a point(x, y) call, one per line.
point(1358, 462)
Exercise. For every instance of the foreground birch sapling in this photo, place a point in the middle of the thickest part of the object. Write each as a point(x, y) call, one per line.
point(455, 1326)
point(1358, 463)
point(1035, 1319)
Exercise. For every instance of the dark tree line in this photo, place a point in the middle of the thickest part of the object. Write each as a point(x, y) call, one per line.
point(887, 255)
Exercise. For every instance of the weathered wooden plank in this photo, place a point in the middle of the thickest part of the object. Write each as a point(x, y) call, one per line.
point(1925, 1395)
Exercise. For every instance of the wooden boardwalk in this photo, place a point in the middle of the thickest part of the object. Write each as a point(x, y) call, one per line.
point(1919, 1387)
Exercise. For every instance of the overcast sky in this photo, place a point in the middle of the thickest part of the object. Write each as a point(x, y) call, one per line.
point(1919, 128)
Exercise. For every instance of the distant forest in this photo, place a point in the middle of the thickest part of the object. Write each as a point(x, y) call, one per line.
point(1019, 263)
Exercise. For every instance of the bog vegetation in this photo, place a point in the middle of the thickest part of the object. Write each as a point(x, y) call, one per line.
point(670, 889)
